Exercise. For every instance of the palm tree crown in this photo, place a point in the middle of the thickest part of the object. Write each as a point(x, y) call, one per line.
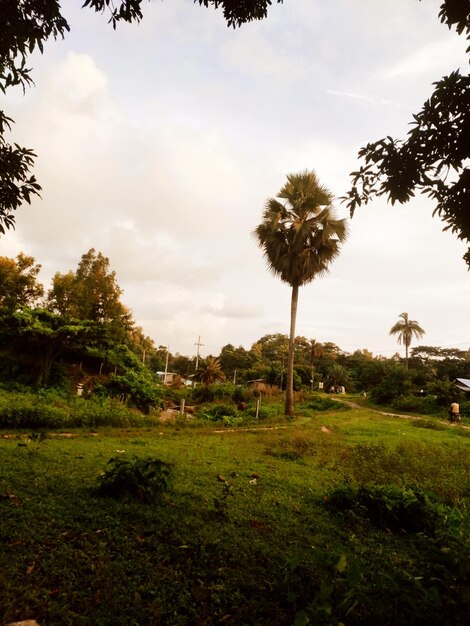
point(406, 329)
point(210, 371)
point(300, 238)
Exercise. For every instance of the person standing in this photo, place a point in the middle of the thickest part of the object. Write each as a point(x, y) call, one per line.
point(454, 413)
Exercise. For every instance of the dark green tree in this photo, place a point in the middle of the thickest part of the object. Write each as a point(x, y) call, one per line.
point(299, 239)
point(235, 361)
point(36, 338)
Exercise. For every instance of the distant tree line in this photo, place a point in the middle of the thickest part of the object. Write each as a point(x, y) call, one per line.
point(79, 331)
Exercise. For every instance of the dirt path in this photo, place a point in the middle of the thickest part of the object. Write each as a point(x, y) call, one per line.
point(354, 405)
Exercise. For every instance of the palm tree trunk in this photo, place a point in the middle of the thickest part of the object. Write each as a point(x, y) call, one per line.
point(289, 408)
point(406, 354)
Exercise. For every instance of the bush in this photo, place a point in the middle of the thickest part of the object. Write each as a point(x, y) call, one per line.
point(395, 383)
point(426, 405)
point(324, 403)
point(141, 479)
point(138, 387)
point(240, 394)
point(465, 408)
point(48, 409)
point(429, 424)
point(266, 411)
point(28, 410)
point(223, 391)
point(390, 507)
point(218, 412)
point(96, 411)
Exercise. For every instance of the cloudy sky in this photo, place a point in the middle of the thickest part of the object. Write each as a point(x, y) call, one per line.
point(160, 143)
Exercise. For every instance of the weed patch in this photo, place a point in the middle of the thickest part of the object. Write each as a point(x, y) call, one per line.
point(324, 403)
point(292, 448)
point(142, 479)
point(430, 424)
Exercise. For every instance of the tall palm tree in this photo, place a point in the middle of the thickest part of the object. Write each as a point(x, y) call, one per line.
point(406, 329)
point(299, 237)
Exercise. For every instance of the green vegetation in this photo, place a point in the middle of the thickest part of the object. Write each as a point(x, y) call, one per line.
point(231, 513)
point(334, 517)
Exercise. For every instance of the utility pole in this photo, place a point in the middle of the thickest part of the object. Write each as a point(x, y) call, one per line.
point(198, 344)
point(166, 363)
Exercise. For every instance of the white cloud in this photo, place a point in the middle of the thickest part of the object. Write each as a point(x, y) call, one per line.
point(432, 59)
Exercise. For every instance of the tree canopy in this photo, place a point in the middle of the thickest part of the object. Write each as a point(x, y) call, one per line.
point(91, 293)
point(19, 286)
point(406, 329)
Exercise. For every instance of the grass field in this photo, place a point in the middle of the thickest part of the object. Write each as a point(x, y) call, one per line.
point(340, 517)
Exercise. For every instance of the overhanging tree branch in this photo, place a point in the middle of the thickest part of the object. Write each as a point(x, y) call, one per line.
point(434, 158)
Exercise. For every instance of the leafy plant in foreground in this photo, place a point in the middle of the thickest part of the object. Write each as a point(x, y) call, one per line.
point(391, 507)
point(142, 479)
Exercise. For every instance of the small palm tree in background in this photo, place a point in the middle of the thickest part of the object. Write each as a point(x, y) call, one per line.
point(300, 238)
point(406, 329)
point(338, 375)
point(209, 371)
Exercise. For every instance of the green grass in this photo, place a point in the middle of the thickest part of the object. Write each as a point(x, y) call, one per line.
point(244, 536)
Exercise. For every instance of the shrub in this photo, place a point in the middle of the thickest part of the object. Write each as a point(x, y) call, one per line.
point(141, 479)
point(223, 391)
point(28, 410)
point(96, 411)
point(48, 409)
point(240, 394)
point(395, 383)
point(263, 412)
point(138, 387)
point(390, 507)
point(292, 448)
point(414, 404)
point(266, 410)
point(201, 393)
point(218, 412)
point(465, 408)
point(429, 424)
point(324, 403)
